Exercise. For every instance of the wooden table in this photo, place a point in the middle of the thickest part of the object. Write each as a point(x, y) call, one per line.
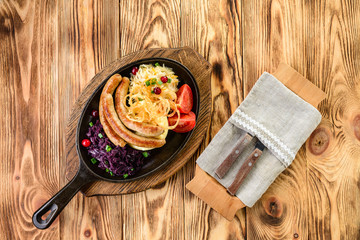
point(49, 50)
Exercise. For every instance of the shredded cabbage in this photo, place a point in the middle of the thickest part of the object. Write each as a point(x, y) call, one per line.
point(145, 106)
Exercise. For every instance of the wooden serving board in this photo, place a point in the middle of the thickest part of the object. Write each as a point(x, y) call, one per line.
point(213, 193)
point(201, 70)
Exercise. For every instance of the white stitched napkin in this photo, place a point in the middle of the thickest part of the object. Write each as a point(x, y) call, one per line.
point(279, 118)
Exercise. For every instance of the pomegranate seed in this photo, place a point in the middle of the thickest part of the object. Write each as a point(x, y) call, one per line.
point(157, 90)
point(164, 79)
point(95, 113)
point(134, 70)
point(85, 142)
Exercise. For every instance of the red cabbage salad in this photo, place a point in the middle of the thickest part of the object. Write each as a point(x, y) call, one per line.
point(115, 160)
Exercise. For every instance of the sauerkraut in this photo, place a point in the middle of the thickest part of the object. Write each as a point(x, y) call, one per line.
point(143, 104)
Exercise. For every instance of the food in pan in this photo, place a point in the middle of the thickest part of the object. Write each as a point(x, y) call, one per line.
point(135, 117)
point(152, 95)
point(122, 131)
point(184, 99)
point(186, 123)
point(109, 88)
point(143, 108)
point(116, 160)
point(140, 127)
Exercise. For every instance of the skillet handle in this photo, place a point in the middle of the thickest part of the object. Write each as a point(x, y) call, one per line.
point(57, 203)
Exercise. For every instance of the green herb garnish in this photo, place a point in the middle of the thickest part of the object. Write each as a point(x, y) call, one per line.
point(91, 124)
point(132, 169)
point(153, 81)
point(152, 91)
point(145, 154)
point(107, 170)
point(169, 80)
point(93, 161)
point(111, 173)
point(100, 135)
point(108, 148)
point(160, 82)
point(157, 64)
point(140, 99)
point(125, 175)
point(106, 162)
point(147, 83)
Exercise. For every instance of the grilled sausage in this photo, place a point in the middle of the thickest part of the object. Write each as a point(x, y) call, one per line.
point(109, 88)
point(111, 84)
point(110, 133)
point(116, 124)
point(143, 129)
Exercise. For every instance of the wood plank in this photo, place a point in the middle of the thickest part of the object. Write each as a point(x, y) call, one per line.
point(149, 24)
point(159, 212)
point(274, 32)
point(88, 40)
point(50, 50)
point(332, 151)
point(29, 147)
point(214, 30)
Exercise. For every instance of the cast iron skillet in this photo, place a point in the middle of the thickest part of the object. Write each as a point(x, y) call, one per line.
point(89, 172)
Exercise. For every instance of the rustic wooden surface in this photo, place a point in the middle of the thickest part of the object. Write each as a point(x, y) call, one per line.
point(49, 50)
point(200, 69)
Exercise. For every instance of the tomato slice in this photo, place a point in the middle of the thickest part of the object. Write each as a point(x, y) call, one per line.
point(184, 99)
point(186, 123)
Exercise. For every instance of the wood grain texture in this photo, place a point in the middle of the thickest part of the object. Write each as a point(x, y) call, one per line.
point(213, 28)
point(334, 172)
point(28, 61)
point(50, 50)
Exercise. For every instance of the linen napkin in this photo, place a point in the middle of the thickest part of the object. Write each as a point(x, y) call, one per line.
point(279, 118)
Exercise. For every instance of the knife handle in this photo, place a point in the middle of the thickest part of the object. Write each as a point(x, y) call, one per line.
point(244, 171)
point(234, 154)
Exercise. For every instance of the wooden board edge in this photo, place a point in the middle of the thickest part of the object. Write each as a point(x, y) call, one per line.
point(300, 85)
point(203, 185)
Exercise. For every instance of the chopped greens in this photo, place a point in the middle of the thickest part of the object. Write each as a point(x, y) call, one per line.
point(108, 148)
